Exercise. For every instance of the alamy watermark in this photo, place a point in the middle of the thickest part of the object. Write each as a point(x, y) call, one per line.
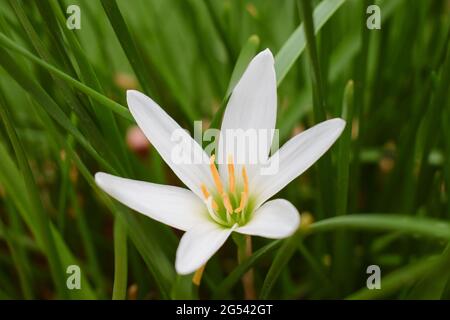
point(73, 21)
point(373, 22)
point(73, 281)
point(374, 280)
point(240, 146)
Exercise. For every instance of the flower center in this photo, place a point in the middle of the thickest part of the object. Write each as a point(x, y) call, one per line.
point(228, 205)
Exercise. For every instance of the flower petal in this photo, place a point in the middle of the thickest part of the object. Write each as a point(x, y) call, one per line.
point(275, 219)
point(198, 245)
point(252, 105)
point(182, 153)
point(174, 206)
point(297, 155)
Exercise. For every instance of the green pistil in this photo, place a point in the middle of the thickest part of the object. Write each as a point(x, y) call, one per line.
point(240, 218)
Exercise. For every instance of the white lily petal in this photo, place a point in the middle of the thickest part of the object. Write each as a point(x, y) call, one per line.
point(182, 153)
point(177, 207)
point(296, 156)
point(275, 219)
point(252, 105)
point(198, 245)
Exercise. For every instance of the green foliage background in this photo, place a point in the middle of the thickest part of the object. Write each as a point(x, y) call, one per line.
point(380, 196)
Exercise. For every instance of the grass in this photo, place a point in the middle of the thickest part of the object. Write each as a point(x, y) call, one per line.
point(380, 195)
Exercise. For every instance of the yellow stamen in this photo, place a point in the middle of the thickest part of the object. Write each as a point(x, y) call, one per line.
point(244, 176)
point(227, 203)
point(198, 275)
point(243, 202)
point(231, 173)
point(206, 195)
point(204, 191)
point(215, 174)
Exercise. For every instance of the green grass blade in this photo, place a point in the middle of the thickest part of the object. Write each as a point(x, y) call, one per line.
point(183, 288)
point(87, 75)
point(426, 227)
point(14, 185)
point(128, 45)
point(101, 99)
point(284, 254)
point(145, 234)
point(294, 46)
point(89, 246)
point(344, 151)
point(19, 257)
point(319, 98)
point(105, 118)
point(235, 276)
point(36, 204)
point(341, 254)
point(431, 124)
point(375, 222)
point(324, 168)
point(360, 91)
point(285, 58)
point(120, 262)
point(47, 103)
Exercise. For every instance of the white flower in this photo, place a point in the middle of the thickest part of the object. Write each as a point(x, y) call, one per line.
point(233, 197)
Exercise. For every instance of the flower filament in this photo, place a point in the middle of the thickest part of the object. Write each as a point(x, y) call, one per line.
point(227, 205)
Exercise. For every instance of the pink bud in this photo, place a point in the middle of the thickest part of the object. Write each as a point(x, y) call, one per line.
point(137, 141)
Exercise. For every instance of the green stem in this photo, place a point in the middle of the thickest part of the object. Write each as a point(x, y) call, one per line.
point(244, 252)
point(359, 93)
point(227, 284)
point(341, 255)
point(344, 151)
point(316, 74)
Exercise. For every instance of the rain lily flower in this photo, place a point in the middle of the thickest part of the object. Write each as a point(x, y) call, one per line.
point(233, 196)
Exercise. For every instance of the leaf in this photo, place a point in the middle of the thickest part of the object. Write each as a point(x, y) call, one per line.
point(415, 226)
